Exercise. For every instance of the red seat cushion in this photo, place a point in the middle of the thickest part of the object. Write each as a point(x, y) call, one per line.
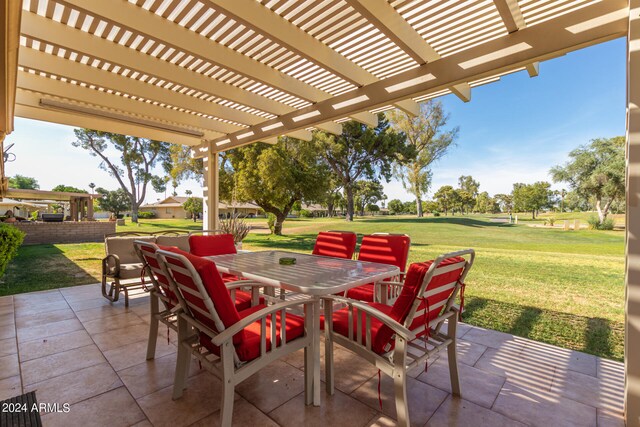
point(362, 293)
point(249, 348)
point(217, 244)
point(380, 342)
point(335, 244)
point(243, 300)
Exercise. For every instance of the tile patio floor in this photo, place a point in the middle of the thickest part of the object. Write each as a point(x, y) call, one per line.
point(72, 346)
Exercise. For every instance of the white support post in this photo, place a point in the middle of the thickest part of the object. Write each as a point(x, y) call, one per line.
point(632, 279)
point(210, 190)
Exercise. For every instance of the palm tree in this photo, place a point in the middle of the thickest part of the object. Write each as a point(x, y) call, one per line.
point(92, 186)
point(188, 193)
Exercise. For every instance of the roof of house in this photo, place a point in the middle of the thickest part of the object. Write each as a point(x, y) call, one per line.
point(178, 201)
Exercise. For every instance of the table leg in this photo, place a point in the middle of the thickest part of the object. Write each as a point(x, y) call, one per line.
point(316, 352)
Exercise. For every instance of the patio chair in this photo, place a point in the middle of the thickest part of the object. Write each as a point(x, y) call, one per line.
point(402, 336)
point(161, 291)
point(337, 244)
point(384, 248)
point(232, 345)
point(121, 267)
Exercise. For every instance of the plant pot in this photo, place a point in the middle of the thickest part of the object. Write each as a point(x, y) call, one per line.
point(238, 246)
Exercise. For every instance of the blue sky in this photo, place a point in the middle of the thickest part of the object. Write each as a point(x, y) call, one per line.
point(513, 130)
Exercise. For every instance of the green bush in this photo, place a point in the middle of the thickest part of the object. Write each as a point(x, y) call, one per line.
point(436, 213)
point(146, 215)
point(271, 222)
point(607, 224)
point(10, 240)
point(305, 213)
point(595, 224)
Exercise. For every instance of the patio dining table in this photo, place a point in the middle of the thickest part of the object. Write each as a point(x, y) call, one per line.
point(311, 275)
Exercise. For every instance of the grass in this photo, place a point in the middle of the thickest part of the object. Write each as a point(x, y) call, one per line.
point(563, 288)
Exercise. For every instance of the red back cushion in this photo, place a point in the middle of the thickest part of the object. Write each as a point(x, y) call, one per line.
point(385, 249)
point(415, 276)
point(335, 244)
point(149, 254)
point(217, 244)
point(214, 286)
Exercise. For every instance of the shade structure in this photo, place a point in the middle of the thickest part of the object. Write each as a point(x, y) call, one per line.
point(217, 74)
point(232, 72)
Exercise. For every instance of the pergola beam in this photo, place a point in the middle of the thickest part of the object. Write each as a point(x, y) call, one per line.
point(384, 17)
point(544, 41)
point(366, 118)
point(28, 106)
point(47, 87)
point(511, 14)
point(330, 127)
point(462, 91)
point(255, 16)
point(41, 28)
point(61, 67)
point(533, 69)
point(408, 106)
point(137, 19)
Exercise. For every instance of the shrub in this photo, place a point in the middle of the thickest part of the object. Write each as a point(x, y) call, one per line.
point(305, 213)
point(10, 240)
point(607, 224)
point(271, 222)
point(595, 224)
point(436, 213)
point(146, 215)
point(552, 221)
point(235, 226)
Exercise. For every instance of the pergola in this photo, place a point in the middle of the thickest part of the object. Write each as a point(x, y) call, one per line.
point(217, 74)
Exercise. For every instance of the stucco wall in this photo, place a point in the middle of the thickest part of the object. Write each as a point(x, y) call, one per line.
point(65, 232)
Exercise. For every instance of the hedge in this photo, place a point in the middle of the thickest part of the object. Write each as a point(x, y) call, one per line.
point(10, 240)
point(146, 215)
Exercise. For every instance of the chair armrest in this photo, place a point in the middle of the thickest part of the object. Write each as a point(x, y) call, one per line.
point(228, 333)
point(244, 283)
point(106, 265)
point(398, 328)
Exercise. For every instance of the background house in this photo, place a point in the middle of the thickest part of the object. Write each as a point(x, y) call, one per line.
point(171, 207)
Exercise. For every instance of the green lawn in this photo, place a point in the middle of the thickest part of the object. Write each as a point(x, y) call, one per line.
point(564, 288)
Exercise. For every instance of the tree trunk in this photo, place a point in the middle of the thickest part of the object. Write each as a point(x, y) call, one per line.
point(603, 212)
point(419, 207)
point(350, 207)
point(533, 214)
point(134, 212)
point(330, 209)
point(277, 227)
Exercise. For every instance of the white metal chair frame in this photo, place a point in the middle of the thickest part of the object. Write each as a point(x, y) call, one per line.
point(227, 366)
point(408, 351)
point(168, 315)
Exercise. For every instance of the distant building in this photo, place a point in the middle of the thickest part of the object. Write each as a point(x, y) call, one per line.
point(171, 207)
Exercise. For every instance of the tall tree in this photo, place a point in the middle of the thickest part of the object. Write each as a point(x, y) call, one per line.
point(395, 206)
point(276, 176)
point(361, 152)
point(470, 185)
point(596, 171)
point(193, 205)
point(23, 182)
point(68, 189)
point(505, 201)
point(531, 197)
point(137, 158)
point(368, 192)
point(113, 201)
point(426, 134)
point(445, 198)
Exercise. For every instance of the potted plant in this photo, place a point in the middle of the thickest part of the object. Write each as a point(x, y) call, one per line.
point(237, 227)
